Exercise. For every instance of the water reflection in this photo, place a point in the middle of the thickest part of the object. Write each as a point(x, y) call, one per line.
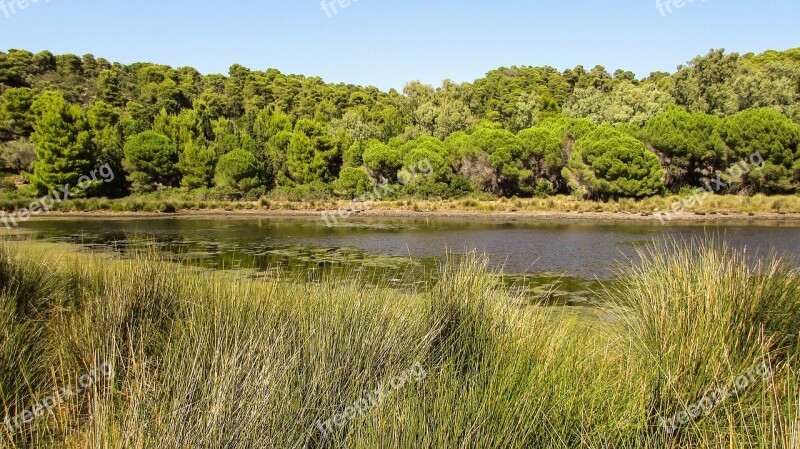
point(557, 262)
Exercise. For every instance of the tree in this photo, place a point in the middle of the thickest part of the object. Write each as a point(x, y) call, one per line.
point(353, 182)
point(238, 171)
point(327, 158)
point(491, 161)
point(135, 119)
point(543, 156)
point(418, 94)
point(771, 135)
point(12, 67)
point(17, 156)
point(383, 161)
point(427, 170)
point(626, 103)
point(609, 164)
point(277, 149)
point(443, 118)
point(356, 125)
point(269, 123)
point(302, 130)
point(299, 157)
point(569, 128)
point(354, 156)
point(108, 88)
point(196, 164)
point(108, 138)
point(150, 160)
point(689, 146)
point(704, 84)
point(16, 109)
point(312, 154)
point(226, 139)
point(526, 114)
point(65, 151)
point(187, 127)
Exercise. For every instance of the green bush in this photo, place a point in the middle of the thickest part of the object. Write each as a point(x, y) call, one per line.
point(352, 182)
point(151, 159)
point(608, 164)
point(238, 171)
point(167, 208)
point(315, 191)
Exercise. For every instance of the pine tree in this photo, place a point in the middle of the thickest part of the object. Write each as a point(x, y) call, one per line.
point(196, 165)
point(64, 147)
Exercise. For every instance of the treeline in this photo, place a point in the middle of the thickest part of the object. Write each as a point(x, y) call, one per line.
point(520, 131)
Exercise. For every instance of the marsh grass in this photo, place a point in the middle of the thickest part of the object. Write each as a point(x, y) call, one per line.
point(178, 201)
point(201, 360)
point(702, 313)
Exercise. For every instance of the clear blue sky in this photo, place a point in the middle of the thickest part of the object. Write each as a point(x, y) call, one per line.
point(386, 43)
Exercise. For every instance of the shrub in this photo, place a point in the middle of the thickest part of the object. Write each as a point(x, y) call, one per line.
point(167, 208)
point(237, 171)
point(703, 311)
point(352, 182)
point(151, 159)
point(607, 163)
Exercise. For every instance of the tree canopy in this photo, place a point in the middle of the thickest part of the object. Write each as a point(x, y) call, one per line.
point(151, 159)
point(607, 163)
point(518, 131)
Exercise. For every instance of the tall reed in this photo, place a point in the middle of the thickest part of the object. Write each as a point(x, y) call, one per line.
point(203, 360)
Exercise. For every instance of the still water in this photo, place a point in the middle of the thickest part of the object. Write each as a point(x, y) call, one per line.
point(573, 255)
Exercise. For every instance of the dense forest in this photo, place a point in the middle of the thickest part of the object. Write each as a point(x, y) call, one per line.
point(519, 131)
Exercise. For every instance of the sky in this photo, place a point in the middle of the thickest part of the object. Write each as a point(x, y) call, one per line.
point(386, 43)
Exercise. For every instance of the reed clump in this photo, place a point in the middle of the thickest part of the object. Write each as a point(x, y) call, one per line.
point(202, 360)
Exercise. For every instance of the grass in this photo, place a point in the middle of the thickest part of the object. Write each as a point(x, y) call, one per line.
point(172, 201)
point(203, 361)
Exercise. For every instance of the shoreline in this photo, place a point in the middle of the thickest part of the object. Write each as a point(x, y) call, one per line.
point(531, 216)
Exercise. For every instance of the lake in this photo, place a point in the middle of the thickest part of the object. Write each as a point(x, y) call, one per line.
point(566, 256)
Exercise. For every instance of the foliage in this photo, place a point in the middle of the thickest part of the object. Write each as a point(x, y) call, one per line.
point(543, 156)
point(689, 145)
point(17, 156)
point(510, 133)
point(352, 182)
point(609, 164)
point(196, 164)
point(238, 171)
point(151, 160)
point(382, 160)
point(65, 153)
point(775, 138)
point(201, 351)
